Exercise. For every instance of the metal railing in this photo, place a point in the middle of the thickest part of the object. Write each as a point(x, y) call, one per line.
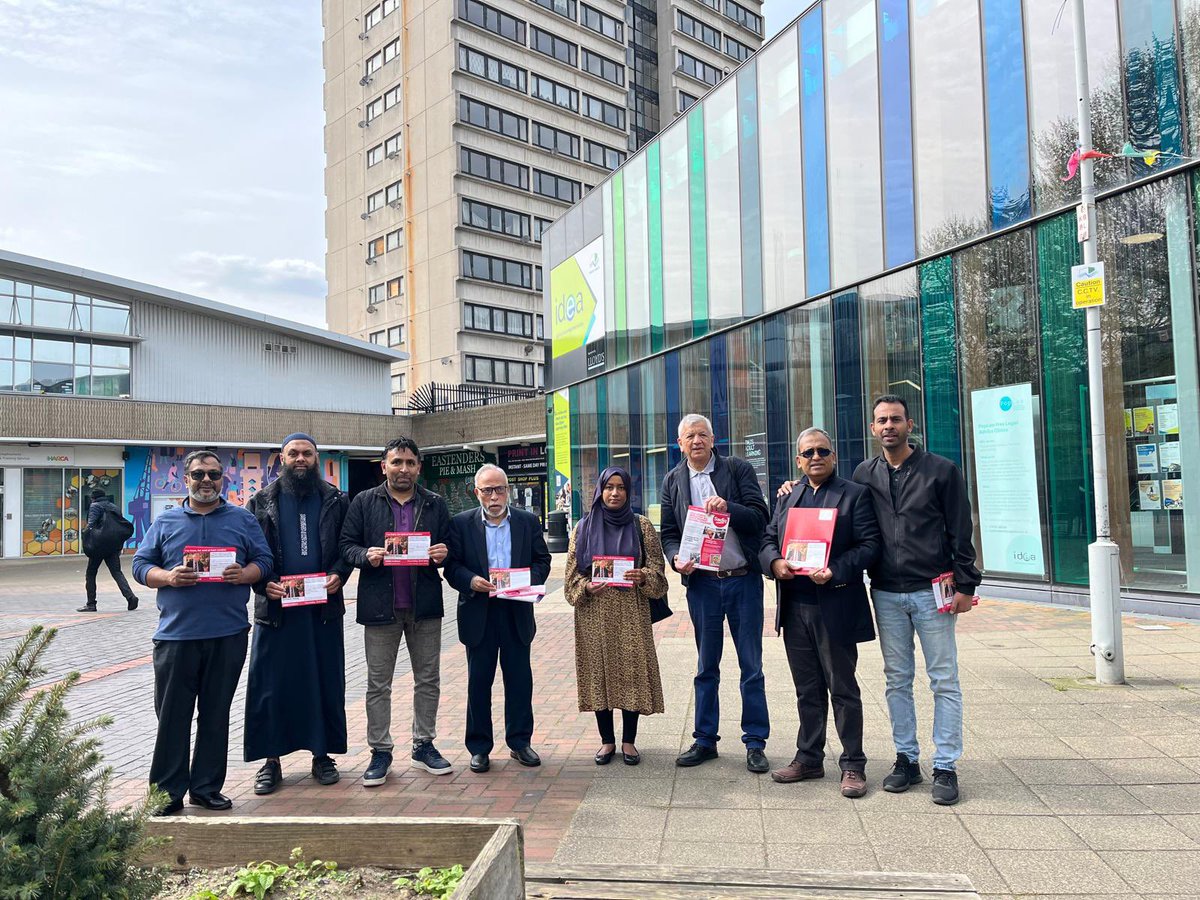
point(433, 397)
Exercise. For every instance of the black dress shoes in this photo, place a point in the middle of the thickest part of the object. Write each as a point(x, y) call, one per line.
point(526, 756)
point(268, 778)
point(172, 808)
point(604, 757)
point(695, 755)
point(480, 762)
point(212, 801)
point(632, 759)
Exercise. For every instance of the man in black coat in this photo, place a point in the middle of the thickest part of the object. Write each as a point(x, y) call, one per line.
point(496, 536)
point(99, 552)
point(399, 603)
point(296, 691)
point(729, 485)
point(825, 615)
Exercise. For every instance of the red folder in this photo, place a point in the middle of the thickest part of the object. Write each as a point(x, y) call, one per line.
point(807, 538)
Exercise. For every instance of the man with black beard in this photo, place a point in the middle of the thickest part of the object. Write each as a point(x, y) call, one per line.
point(296, 693)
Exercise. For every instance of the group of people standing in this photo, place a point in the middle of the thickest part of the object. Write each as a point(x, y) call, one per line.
point(904, 518)
point(295, 694)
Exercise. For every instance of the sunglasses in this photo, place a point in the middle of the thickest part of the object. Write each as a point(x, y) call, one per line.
point(816, 451)
point(210, 474)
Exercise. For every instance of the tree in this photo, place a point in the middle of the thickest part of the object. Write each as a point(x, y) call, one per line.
point(58, 838)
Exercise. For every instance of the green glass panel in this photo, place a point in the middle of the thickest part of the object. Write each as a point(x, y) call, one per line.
point(576, 456)
point(620, 324)
point(699, 214)
point(654, 203)
point(939, 339)
point(1064, 375)
point(602, 446)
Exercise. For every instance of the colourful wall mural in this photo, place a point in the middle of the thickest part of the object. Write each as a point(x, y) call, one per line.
point(154, 479)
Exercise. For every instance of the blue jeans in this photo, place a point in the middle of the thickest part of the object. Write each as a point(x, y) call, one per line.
point(898, 616)
point(711, 601)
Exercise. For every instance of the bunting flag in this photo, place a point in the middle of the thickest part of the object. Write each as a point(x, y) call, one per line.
point(1149, 157)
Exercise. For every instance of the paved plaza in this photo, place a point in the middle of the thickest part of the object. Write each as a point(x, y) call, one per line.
point(1069, 789)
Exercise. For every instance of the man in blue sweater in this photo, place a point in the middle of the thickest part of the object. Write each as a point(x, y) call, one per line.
point(200, 644)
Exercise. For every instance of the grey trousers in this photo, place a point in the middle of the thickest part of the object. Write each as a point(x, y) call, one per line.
point(382, 643)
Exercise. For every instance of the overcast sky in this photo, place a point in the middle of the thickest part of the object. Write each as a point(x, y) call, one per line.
point(178, 144)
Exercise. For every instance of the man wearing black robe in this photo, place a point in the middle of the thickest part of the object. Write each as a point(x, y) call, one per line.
point(296, 693)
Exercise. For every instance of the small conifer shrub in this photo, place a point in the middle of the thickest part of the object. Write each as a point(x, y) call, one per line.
point(58, 838)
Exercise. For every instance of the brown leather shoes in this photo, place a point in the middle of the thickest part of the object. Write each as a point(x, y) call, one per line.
point(854, 784)
point(797, 771)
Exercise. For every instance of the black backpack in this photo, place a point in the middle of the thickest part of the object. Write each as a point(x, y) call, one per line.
point(108, 535)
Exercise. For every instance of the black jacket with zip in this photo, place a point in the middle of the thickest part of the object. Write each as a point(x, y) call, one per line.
point(265, 507)
point(369, 518)
point(928, 531)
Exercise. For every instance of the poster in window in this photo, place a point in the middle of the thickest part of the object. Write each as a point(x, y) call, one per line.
point(1010, 515)
point(1149, 495)
point(1168, 457)
point(1128, 423)
point(1143, 420)
point(1168, 418)
point(1172, 493)
point(1147, 458)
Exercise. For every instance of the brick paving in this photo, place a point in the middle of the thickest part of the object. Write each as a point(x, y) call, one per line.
point(1069, 790)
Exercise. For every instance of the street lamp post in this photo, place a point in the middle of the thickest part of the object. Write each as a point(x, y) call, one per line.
point(1104, 576)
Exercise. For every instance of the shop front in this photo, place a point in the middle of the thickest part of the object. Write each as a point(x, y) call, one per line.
point(47, 491)
point(525, 465)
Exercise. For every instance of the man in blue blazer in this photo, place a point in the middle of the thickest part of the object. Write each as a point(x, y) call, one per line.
point(825, 615)
point(496, 536)
point(725, 484)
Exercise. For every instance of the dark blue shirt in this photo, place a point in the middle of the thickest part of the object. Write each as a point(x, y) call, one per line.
point(300, 533)
point(209, 609)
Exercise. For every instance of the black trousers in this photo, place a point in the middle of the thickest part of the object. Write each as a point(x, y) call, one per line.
point(500, 640)
point(199, 677)
point(823, 671)
point(114, 568)
point(629, 724)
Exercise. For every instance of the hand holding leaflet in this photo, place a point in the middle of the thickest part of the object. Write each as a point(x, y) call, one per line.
point(703, 538)
point(406, 548)
point(807, 538)
point(612, 570)
point(304, 590)
point(944, 591)
point(514, 584)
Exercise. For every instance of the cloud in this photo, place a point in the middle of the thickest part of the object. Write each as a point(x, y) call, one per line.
point(289, 288)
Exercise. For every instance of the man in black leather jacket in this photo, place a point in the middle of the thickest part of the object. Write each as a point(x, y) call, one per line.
point(399, 603)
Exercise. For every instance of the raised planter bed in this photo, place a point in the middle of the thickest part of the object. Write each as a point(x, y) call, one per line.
point(491, 850)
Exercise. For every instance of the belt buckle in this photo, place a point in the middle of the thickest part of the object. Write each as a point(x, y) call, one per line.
point(724, 573)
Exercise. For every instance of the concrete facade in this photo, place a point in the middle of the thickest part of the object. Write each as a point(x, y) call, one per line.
point(407, 196)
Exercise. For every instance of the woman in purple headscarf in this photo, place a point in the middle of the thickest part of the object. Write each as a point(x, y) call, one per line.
point(614, 570)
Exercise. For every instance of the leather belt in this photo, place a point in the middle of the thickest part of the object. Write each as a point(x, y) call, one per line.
point(730, 573)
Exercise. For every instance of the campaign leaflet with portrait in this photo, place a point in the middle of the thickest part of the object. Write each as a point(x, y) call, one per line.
point(209, 563)
point(406, 548)
point(304, 590)
point(612, 570)
point(703, 539)
point(514, 584)
point(807, 537)
point(944, 590)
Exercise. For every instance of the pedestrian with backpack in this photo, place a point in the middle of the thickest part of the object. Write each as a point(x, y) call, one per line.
point(104, 536)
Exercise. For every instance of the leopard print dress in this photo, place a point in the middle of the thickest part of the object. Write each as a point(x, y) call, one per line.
point(616, 665)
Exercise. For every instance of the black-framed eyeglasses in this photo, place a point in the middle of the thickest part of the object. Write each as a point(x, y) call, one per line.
point(493, 491)
point(210, 474)
point(816, 451)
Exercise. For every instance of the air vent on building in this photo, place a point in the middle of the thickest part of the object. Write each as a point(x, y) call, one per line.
point(279, 348)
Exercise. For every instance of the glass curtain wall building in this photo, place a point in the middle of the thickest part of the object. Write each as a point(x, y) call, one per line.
point(875, 202)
